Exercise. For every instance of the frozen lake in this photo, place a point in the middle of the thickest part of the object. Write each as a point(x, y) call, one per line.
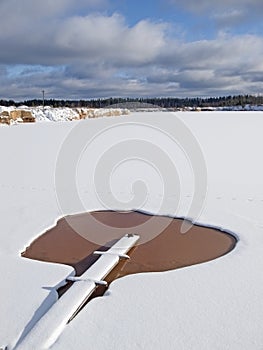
point(204, 166)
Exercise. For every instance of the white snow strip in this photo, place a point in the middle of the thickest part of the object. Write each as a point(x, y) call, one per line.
point(50, 326)
point(123, 256)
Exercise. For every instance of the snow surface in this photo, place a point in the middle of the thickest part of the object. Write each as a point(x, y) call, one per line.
point(46, 331)
point(214, 305)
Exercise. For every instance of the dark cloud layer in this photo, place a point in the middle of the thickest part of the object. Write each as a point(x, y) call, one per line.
point(73, 49)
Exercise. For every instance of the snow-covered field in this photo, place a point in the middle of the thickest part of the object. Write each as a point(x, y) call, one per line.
point(52, 169)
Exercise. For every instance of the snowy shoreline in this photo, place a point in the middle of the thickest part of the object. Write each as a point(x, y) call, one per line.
point(13, 115)
point(24, 114)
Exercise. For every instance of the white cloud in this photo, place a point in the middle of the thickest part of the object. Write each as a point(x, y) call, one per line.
point(220, 66)
point(205, 5)
point(226, 65)
point(88, 55)
point(227, 14)
point(78, 38)
point(31, 8)
point(229, 18)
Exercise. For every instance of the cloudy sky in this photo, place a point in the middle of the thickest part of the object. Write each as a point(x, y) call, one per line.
point(80, 49)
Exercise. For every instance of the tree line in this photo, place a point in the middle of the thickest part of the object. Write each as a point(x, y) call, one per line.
point(164, 102)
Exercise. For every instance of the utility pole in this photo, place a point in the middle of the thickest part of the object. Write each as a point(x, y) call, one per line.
point(43, 92)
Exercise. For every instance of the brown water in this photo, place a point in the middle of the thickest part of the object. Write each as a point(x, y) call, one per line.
point(167, 251)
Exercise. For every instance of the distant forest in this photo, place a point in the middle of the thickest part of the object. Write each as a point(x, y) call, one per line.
point(164, 102)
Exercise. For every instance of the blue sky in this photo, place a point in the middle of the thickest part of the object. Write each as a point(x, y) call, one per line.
point(80, 49)
point(161, 11)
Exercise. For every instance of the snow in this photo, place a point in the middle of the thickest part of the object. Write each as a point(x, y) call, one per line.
point(48, 113)
point(211, 305)
point(46, 331)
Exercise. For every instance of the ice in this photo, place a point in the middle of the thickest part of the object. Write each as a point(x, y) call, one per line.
point(214, 305)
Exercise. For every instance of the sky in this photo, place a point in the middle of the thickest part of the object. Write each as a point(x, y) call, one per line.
point(82, 49)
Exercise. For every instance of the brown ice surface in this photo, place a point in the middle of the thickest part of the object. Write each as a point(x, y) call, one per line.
point(73, 240)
